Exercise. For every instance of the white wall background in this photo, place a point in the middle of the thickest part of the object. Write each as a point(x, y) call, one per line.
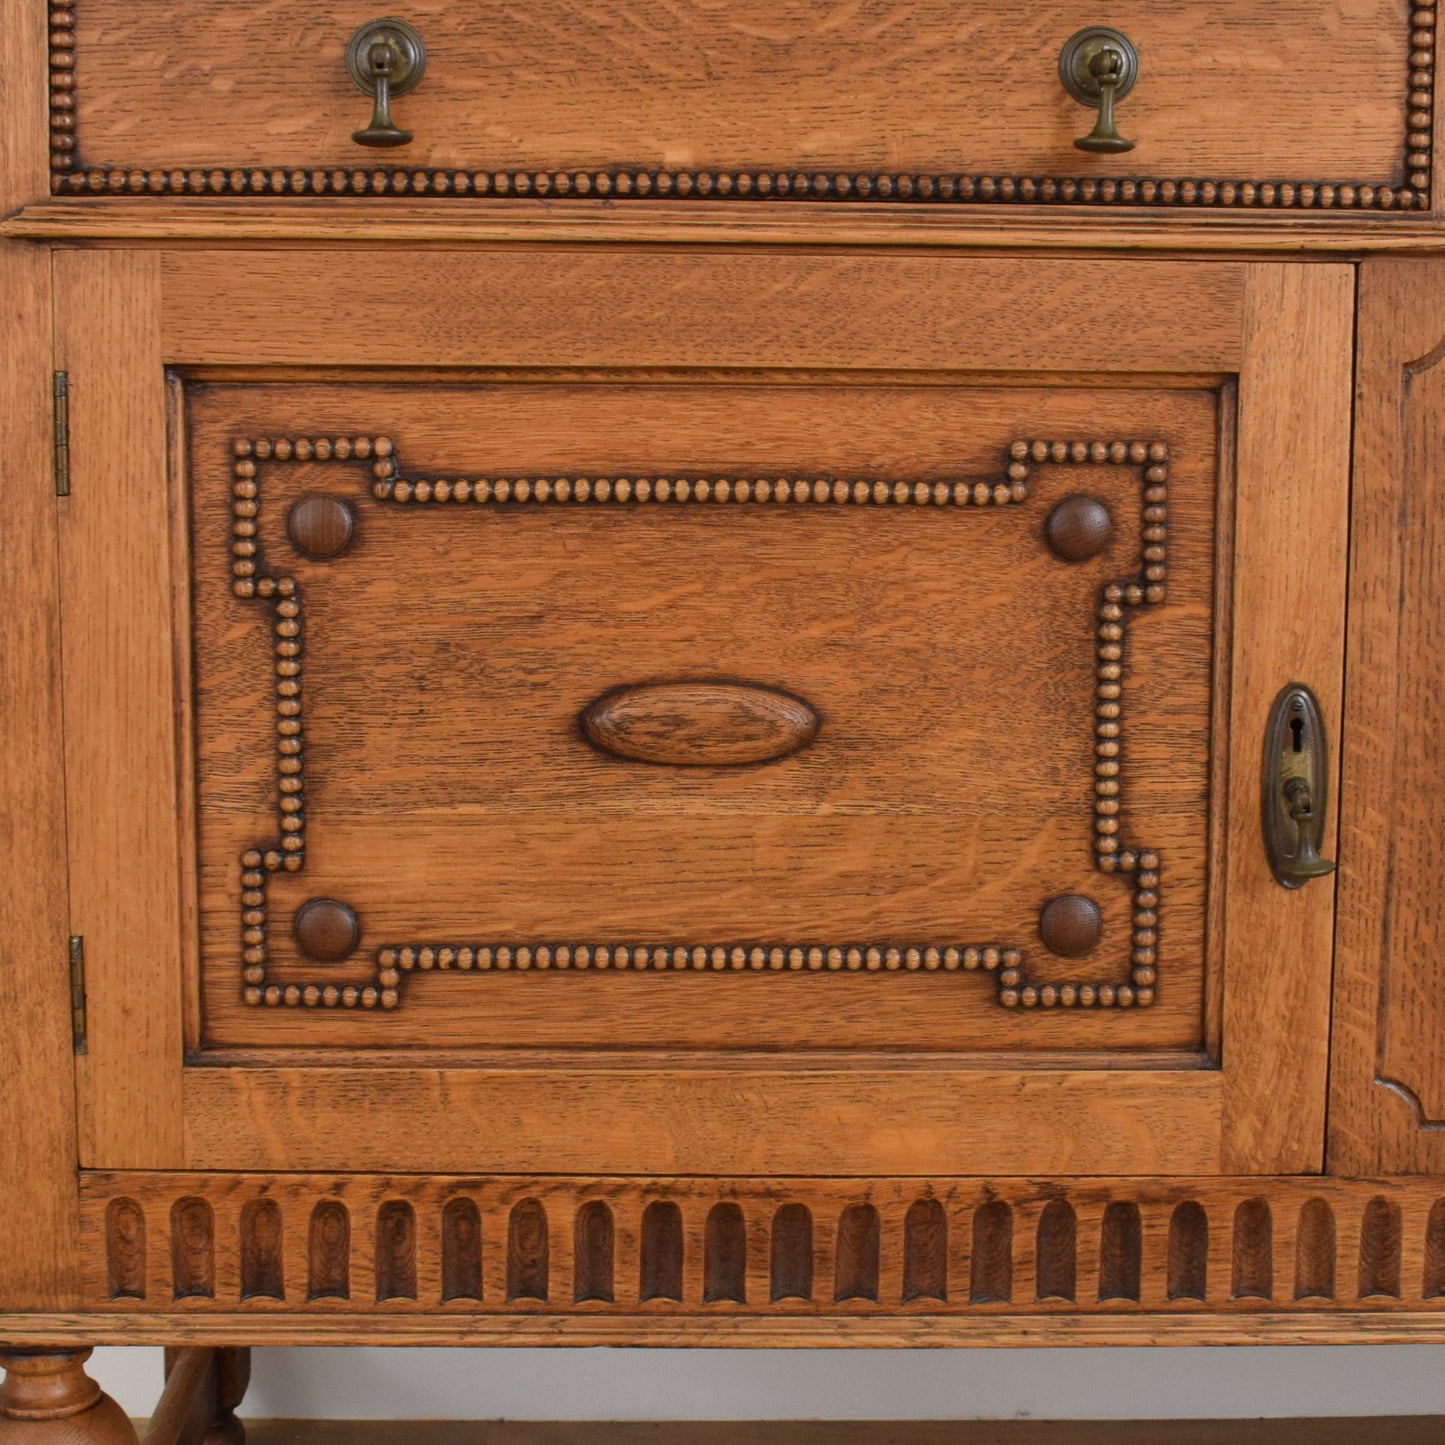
point(569, 1384)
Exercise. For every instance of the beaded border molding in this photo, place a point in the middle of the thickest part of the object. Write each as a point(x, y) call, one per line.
point(70, 175)
point(287, 853)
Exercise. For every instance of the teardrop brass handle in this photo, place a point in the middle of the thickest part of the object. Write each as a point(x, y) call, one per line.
point(1099, 66)
point(386, 59)
point(1299, 801)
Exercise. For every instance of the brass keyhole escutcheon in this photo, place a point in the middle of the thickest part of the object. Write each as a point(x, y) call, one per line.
point(1098, 67)
point(1295, 788)
point(385, 59)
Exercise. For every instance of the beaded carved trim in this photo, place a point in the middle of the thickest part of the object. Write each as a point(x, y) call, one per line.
point(394, 962)
point(70, 175)
point(488, 490)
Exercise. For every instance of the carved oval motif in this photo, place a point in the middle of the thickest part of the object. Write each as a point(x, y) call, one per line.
point(699, 724)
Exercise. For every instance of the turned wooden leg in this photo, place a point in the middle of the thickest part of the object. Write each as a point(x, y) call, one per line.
point(48, 1399)
point(208, 1385)
point(233, 1378)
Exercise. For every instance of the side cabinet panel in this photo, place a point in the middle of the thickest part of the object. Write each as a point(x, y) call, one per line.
point(37, 1265)
point(1388, 1105)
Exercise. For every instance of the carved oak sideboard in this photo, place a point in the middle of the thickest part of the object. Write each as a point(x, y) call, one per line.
point(726, 675)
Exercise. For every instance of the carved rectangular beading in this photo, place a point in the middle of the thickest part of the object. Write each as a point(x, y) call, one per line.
point(395, 962)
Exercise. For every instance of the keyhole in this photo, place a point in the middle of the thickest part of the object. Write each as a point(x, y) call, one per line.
point(1297, 727)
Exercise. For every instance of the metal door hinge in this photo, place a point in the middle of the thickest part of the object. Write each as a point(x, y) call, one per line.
point(77, 994)
point(60, 396)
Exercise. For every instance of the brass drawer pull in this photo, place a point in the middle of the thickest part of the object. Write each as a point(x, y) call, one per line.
point(1295, 789)
point(385, 58)
point(1099, 67)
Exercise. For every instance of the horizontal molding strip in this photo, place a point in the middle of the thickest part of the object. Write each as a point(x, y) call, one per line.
point(217, 1328)
point(325, 222)
point(800, 1250)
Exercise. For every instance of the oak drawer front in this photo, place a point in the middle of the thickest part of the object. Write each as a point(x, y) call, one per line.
point(695, 712)
point(1238, 103)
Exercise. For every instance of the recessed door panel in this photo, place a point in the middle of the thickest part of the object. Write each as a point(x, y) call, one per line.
point(987, 613)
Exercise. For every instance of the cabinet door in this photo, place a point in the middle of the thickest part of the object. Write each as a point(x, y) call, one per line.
point(1388, 1104)
point(697, 712)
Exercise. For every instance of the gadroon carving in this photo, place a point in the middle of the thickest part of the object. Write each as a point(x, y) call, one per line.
point(936, 1247)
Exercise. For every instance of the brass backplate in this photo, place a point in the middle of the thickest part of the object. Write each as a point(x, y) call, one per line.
point(1080, 49)
point(410, 55)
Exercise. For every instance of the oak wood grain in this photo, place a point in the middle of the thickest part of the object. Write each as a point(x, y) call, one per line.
point(1387, 1096)
point(751, 1117)
point(713, 309)
point(1291, 529)
point(1334, 1326)
point(46, 1398)
point(562, 87)
point(469, 810)
point(197, 1407)
point(120, 691)
point(37, 1147)
point(1165, 1117)
point(804, 1247)
point(699, 724)
point(547, 333)
point(35, 1060)
point(423, 223)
